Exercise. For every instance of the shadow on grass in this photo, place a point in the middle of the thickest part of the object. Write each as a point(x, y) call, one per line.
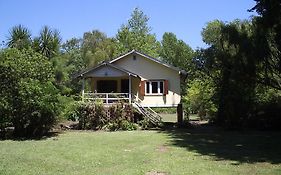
point(243, 147)
point(51, 134)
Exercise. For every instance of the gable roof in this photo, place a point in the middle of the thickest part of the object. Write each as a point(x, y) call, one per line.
point(148, 57)
point(85, 72)
point(111, 64)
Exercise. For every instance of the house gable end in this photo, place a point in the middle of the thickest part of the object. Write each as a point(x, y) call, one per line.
point(137, 53)
point(105, 71)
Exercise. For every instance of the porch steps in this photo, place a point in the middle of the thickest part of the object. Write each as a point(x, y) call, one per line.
point(149, 114)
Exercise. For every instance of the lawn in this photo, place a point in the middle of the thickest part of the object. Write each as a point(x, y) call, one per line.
point(173, 117)
point(186, 151)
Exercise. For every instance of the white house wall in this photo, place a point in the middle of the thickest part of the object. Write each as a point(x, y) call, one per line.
point(151, 70)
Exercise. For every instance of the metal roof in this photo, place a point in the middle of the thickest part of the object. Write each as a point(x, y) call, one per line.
point(81, 74)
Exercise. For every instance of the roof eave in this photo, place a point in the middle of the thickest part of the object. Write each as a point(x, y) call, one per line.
point(82, 74)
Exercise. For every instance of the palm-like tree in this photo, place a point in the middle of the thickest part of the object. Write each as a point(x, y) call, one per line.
point(48, 42)
point(19, 37)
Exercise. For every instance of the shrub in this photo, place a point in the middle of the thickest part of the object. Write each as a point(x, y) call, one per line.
point(96, 116)
point(37, 108)
point(91, 116)
point(128, 126)
point(199, 99)
point(29, 100)
point(68, 108)
point(145, 124)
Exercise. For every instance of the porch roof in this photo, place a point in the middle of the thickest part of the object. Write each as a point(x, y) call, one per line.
point(105, 69)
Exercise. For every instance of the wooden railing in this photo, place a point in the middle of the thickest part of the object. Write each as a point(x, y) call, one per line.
point(149, 113)
point(107, 98)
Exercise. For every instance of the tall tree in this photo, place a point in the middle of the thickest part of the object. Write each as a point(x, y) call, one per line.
point(230, 59)
point(135, 34)
point(48, 42)
point(268, 27)
point(177, 52)
point(19, 37)
point(70, 62)
point(97, 47)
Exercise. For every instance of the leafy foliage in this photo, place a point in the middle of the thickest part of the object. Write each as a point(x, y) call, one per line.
point(199, 98)
point(268, 40)
point(48, 42)
point(232, 65)
point(20, 37)
point(32, 110)
point(97, 47)
point(176, 52)
point(136, 35)
point(233, 61)
point(95, 116)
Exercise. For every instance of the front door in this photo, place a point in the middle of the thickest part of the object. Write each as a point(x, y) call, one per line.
point(107, 86)
point(125, 86)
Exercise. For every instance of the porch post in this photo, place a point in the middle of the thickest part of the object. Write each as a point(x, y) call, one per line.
point(130, 89)
point(83, 88)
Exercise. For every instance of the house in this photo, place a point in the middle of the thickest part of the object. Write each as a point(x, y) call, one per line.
point(134, 77)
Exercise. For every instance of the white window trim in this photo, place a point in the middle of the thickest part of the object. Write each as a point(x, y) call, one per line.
point(150, 87)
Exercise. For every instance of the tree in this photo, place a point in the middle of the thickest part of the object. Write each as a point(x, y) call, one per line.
point(177, 52)
point(19, 37)
point(198, 98)
point(230, 60)
point(97, 47)
point(29, 100)
point(68, 63)
point(268, 39)
point(135, 34)
point(48, 42)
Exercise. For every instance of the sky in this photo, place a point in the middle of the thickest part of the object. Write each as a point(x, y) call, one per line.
point(184, 18)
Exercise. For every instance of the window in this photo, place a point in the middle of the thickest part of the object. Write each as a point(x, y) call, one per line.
point(154, 87)
point(147, 87)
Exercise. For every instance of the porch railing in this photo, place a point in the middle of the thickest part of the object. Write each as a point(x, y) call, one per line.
point(107, 98)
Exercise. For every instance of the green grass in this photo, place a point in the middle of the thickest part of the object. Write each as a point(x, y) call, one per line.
point(191, 151)
point(173, 117)
point(169, 117)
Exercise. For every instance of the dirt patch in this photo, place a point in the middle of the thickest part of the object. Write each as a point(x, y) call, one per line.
point(156, 173)
point(66, 125)
point(162, 148)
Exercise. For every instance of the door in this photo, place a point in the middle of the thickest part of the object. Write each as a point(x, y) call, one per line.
point(125, 86)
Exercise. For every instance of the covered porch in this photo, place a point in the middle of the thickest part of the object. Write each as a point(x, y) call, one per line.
point(109, 84)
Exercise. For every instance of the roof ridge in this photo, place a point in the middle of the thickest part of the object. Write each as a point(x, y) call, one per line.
point(149, 57)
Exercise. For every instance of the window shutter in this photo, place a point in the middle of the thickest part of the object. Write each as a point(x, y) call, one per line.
point(166, 87)
point(142, 88)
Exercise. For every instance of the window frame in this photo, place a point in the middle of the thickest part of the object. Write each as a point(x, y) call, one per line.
point(149, 83)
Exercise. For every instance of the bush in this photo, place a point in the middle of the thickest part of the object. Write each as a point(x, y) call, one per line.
point(96, 116)
point(124, 125)
point(145, 124)
point(29, 100)
point(36, 109)
point(266, 113)
point(91, 116)
point(199, 99)
point(128, 126)
point(68, 108)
